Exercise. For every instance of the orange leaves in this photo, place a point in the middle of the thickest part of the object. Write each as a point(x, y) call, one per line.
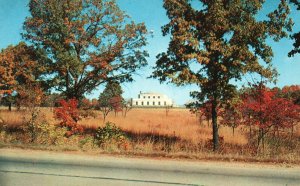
point(69, 115)
point(17, 66)
point(19, 70)
point(29, 95)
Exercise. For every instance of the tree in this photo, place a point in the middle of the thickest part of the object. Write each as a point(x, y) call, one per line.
point(29, 96)
point(111, 98)
point(295, 36)
point(269, 111)
point(231, 114)
point(116, 104)
point(291, 92)
point(89, 42)
point(20, 65)
point(217, 42)
point(126, 106)
point(50, 100)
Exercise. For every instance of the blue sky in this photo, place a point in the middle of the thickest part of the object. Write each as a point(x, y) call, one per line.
point(13, 13)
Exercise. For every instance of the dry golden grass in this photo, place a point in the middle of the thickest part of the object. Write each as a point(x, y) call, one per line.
point(179, 123)
point(17, 118)
point(12, 118)
point(151, 132)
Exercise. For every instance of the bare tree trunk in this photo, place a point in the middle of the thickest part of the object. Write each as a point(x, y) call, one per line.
point(9, 106)
point(258, 139)
point(250, 132)
point(104, 117)
point(207, 122)
point(263, 140)
point(215, 125)
point(167, 110)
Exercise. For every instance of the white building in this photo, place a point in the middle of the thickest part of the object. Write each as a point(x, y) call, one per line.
point(149, 99)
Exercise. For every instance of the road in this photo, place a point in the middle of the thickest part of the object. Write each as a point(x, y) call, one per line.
point(29, 168)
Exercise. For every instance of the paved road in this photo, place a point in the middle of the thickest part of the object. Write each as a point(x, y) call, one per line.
point(25, 168)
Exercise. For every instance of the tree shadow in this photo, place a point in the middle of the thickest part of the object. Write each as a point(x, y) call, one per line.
point(141, 136)
point(153, 137)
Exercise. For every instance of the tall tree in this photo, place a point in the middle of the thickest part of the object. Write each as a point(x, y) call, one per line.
point(217, 41)
point(295, 36)
point(89, 42)
point(20, 65)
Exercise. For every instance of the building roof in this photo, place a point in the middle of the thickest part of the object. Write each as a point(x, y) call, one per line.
point(153, 93)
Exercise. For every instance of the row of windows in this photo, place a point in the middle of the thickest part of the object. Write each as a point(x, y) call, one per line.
point(149, 97)
point(148, 103)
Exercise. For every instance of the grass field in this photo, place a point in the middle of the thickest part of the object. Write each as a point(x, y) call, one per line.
point(180, 123)
point(152, 131)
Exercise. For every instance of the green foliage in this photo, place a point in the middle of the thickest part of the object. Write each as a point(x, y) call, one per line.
point(110, 133)
point(86, 142)
point(295, 36)
point(50, 134)
point(112, 89)
point(50, 100)
point(89, 42)
point(111, 98)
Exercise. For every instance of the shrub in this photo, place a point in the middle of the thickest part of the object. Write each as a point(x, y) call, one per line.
point(69, 115)
point(111, 134)
point(50, 134)
point(86, 142)
point(31, 126)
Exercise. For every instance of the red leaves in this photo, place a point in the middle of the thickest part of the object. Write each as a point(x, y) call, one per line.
point(69, 115)
point(267, 110)
point(116, 103)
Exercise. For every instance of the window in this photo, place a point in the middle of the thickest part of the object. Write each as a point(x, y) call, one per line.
point(144, 97)
point(142, 103)
point(149, 97)
point(154, 97)
point(137, 103)
point(147, 102)
point(158, 97)
point(159, 103)
point(153, 102)
point(139, 96)
point(165, 103)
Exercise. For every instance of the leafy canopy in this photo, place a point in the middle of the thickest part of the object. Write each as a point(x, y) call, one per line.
point(219, 41)
point(295, 36)
point(112, 94)
point(89, 42)
point(21, 65)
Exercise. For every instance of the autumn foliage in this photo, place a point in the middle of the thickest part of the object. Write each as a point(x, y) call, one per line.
point(69, 115)
point(267, 110)
point(116, 103)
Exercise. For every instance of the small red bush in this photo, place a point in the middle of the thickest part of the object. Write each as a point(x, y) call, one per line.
point(69, 115)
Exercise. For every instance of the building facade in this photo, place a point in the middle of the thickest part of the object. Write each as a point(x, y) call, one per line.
point(149, 99)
